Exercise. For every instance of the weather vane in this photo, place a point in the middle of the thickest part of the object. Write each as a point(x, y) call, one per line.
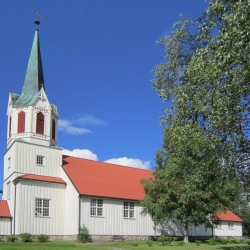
point(37, 22)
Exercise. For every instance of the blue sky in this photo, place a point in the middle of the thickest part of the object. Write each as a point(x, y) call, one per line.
point(98, 57)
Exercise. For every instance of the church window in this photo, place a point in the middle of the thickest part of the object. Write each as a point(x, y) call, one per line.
point(21, 122)
point(42, 207)
point(128, 209)
point(39, 160)
point(8, 190)
point(40, 123)
point(10, 127)
point(53, 129)
point(96, 207)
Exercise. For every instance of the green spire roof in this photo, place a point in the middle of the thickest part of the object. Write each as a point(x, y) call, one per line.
point(34, 76)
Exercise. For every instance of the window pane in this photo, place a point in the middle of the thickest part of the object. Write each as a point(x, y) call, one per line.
point(131, 205)
point(45, 203)
point(45, 212)
point(99, 211)
point(99, 203)
point(125, 213)
point(125, 205)
point(93, 211)
point(38, 211)
point(131, 213)
point(93, 202)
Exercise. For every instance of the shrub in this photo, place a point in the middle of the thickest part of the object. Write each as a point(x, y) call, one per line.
point(84, 236)
point(234, 241)
point(211, 241)
point(11, 238)
point(198, 242)
point(150, 242)
point(134, 244)
point(26, 237)
point(42, 238)
point(223, 240)
point(180, 243)
point(165, 239)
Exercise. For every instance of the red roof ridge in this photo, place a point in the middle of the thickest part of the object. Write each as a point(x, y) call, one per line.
point(44, 178)
point(4, 209)
point(103, 162)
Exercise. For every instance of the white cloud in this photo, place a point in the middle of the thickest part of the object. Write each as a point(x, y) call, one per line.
point(81, 153)
point(134, 163)
point(66, 126)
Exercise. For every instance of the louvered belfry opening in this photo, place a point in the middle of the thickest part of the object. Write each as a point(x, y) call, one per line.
point(40, 123)
point(53, 129)
point(21, 122)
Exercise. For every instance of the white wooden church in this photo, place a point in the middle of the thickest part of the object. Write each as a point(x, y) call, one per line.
point(45, 192)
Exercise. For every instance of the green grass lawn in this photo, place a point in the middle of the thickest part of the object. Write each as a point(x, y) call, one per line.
point(65, 245)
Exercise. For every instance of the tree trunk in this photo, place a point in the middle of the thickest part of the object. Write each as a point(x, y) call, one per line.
point(185, 224)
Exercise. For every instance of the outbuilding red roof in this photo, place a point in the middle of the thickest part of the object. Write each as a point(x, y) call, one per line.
point(44, 178)
point(229, 216)
point(93, 178)
point(4, 209)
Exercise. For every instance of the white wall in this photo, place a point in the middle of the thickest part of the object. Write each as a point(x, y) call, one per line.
point(226, 231)
point(71, 212)
point(112, 221)
point(26, 221)
point(5, 226)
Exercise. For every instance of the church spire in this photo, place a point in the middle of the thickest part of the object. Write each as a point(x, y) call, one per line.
point(34, 80)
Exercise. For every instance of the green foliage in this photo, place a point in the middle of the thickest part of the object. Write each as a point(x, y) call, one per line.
point(26, 237)
point(149, 243)
point(12, 238)
point(204, 160)
point(165, 240)
point(198, 242)
point(180, 243)
point(223, 240)
point(211, 241)
point(84, 236)
point(42, 238)
point(134, 244)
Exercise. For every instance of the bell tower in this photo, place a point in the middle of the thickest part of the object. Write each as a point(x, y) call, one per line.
point(31, 118)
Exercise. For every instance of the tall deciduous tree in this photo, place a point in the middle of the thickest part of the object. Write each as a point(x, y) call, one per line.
point(206, 137)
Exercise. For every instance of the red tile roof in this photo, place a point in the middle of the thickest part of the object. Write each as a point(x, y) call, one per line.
point(102, 179)
point(4, 209)
point(229, 216)
point(44, 178)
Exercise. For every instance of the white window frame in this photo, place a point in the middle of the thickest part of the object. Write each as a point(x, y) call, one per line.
point(42, 207)
point(40, 160)
point(219, 226)
point(8, 190)
point(230, 225)
point(128, 210)
point(96, 207)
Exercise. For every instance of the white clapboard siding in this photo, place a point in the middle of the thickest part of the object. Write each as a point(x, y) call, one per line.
point(26, 221)
point(71, 213)
point(23, 160)
point(226, 231)
point(112, 221)
point(5, 226)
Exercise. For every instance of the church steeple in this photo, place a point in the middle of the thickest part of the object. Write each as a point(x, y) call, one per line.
point(34, 80)
point(31, 117)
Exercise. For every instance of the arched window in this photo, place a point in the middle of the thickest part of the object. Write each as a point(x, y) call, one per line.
point(40, 123)
point(53, 129)
point(10, 126)
point(21, 122)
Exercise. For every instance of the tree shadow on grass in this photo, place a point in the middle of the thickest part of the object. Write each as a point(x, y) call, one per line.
point(234, 247)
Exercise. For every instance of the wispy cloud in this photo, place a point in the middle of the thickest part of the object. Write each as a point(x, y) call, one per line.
point(81, 153)
point(66, 126)
point(76, 125)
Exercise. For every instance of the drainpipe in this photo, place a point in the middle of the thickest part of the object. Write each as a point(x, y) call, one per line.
point(79, 215)
point(14, 219)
